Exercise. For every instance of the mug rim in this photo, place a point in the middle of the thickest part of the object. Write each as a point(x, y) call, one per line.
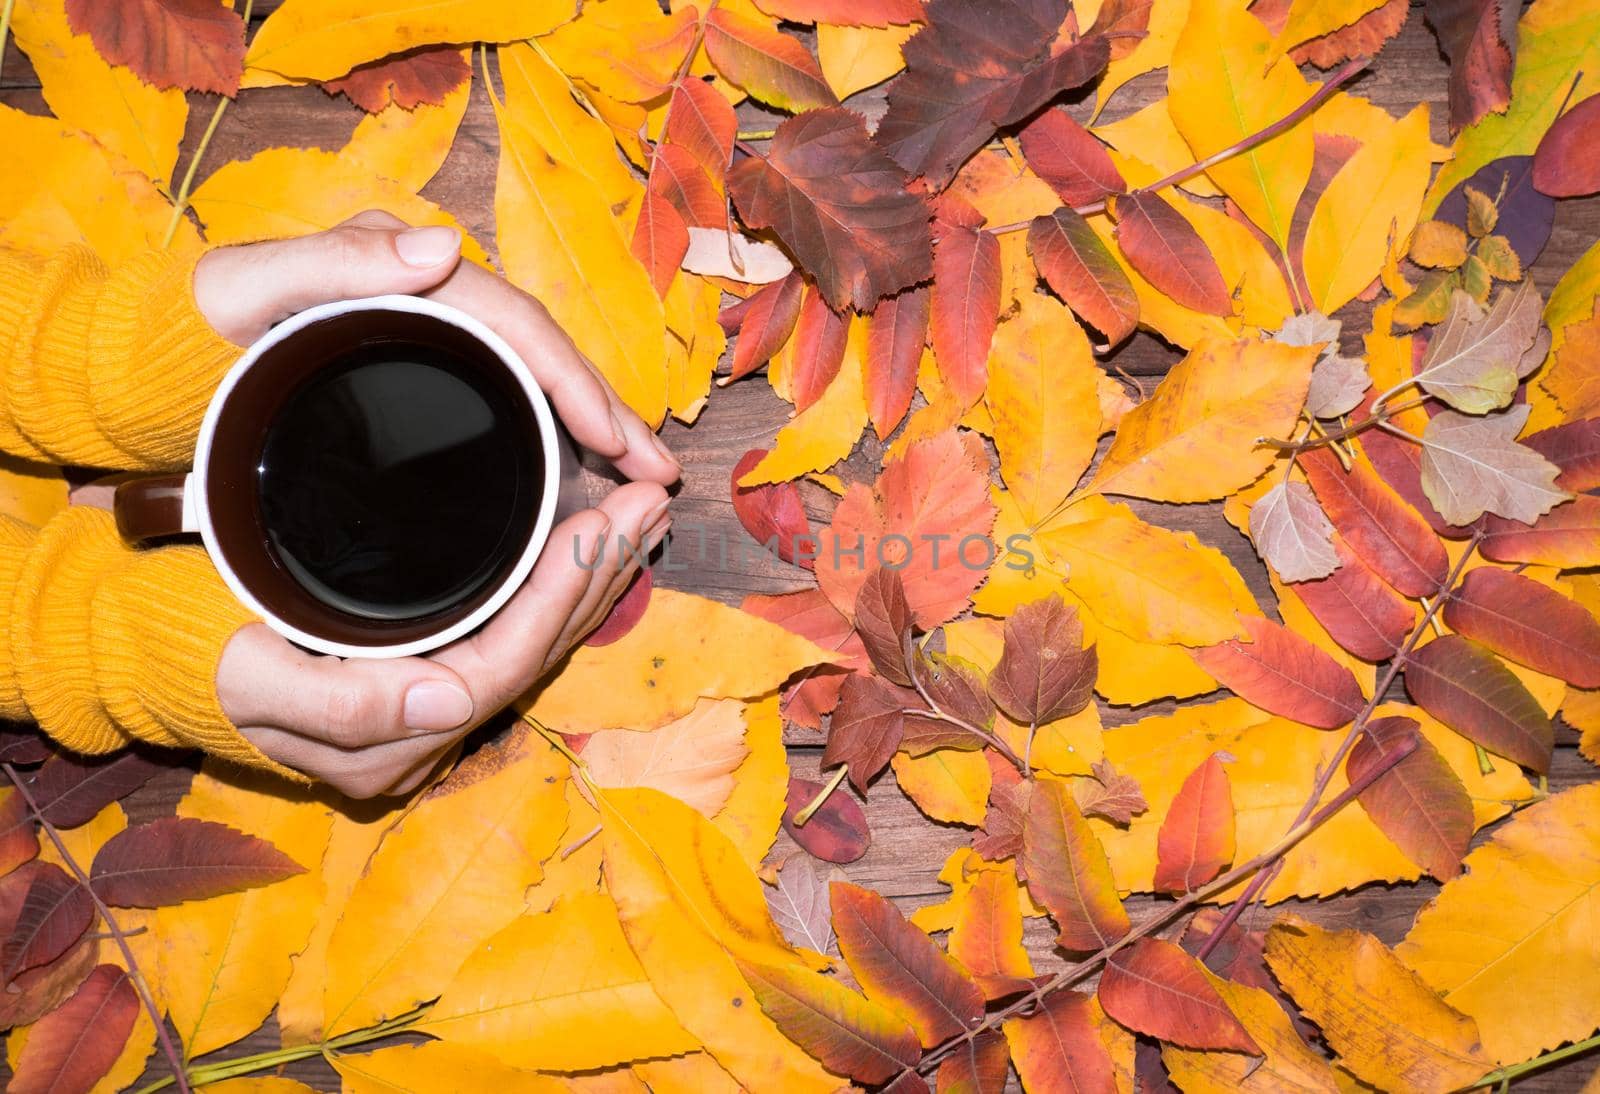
point(199, 492)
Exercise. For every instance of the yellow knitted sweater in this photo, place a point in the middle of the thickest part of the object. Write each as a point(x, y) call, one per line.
point(102, 644)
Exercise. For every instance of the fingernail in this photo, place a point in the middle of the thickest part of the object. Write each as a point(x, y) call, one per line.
point(618, 438)
point(666, 453)
point(598, 546)
point(424, 247)
point(434, 705)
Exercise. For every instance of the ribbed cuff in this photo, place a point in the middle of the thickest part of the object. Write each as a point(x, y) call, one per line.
point(16, 541)
point(46, 388)
point(154, 362)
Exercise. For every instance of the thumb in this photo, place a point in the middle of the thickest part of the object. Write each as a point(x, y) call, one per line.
point(243, 291)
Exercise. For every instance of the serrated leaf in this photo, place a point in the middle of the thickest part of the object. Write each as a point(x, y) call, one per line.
point(55, 913)
point(1385, 533)
point(1468, 689)
point(896, 334)
point(1293, 534)
point(177, 858)
point(409, 80)
point(72, 1047)
point(866, 727)
point(987, 936)
point(1068, 872)
point(1479, 37)
point(1439, 245)
point(189, 44)
point(883, 622)
point(767, 63)
point(1058, 1047)
point(1475, 360)
point(966, 306)
point(1109, 794)
point(1360, 610)
point(957, 687)
point(1472, 466)
point(1044, 672)
point(980, 1065)
point(1166, 250)
point(1072, 161)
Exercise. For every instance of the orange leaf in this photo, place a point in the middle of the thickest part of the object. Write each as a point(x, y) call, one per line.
point(1568, 536)
point(660, 238)
point(1081, 270)
point(852, 1036)
point(72, 1047)
point(1419, 803)
point(1383, 531)
point(1358, 608)
point(1468, 689)
point(817, 350)
point(1154, 988)
point(1166, 250)
point(765, 323)
point(1196, 838)
point(966, 307)
point(193, 44)
point(1058, 1047)
point(896, 332)
point(987, 936)
point(1528, 623)
point(900, 967)
point(979, 1066)
point(846, 13)
point(699, 119)
point(1068, 872)
point(1284, 674)
point(772, 66)
point(407, 80)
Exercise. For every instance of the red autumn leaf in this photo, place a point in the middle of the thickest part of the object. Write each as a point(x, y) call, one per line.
point(840, 205)
point(1058, 1047)
point(866, 727)
point(767, 321)
point(1156, 989)
point(1080, 269)
point(1419, 803)
point(71, 789)
point(846, 13)
point(1284, 674)
point(848, 1034)
point(1196, 837)
point(1044, 673)
point(676, 174)
point(836, 832)
point(1387, 534)
point(987, 936)
point(55, 913)
point(626, 612)
point(1068, 872)
point(175, 859)
point(1478, 36)
point(1240, 955)
point(197, 45)
point(23, 747)
point(1363, 38)
point(72, 1047)
point(660, 238)
point(19, 840)
point(1568, 536)
point(1109, 794)
point(407, 80)
point(772, 513)
point(812, 615)
point(1574, 447)
point(883, 620)
point(979, 1065)
point(770, 65)
point(1399, 463)
point(1065, 155)
point(1000, 837)
point(909, 1082)
point(966, 307)
point(1169, 253)
point(1125, 23)
point(700, 120)
point(1567, 164)
point(900, 967)
point(977, 66)
point(1468, 689)
point(926, 501)
point(957, 687)
point(1528, 623)
point(896, 334)
point(1358, 608)
point(817, 350)
point(39, 991)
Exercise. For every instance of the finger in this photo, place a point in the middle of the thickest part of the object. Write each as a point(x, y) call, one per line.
point(598, 602)
point(359, 773)
point(264, 680)
point(243, 291)
point(584, 402)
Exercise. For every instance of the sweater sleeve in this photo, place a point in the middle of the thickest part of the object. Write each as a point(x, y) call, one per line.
point(105, 367)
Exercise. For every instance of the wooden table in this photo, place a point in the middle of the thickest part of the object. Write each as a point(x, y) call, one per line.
point(907, 849)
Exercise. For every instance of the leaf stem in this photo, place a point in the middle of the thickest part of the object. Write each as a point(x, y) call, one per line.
point(168, 1049)
point(937, 713)
point(1506, 1074)
point(5, 30)
point(823, 795)
point(1377, 418)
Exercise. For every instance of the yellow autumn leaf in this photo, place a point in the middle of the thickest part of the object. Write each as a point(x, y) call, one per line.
point(1310, 19)
point(409, 146)
point(826, 431)
point(628, 49)
point(558, 992)
point(434, 1066)
point(483, 833)
point(1225, 86)
point(1153, 51)
point(324, 39)
point(697, 343)
point(1371, 203)
point(961, 872)
point(1519, 925)
point(1386, 1026)
point(142, 124)
point(685, 648)
point(1287, 1063)
point(855, 58)
point(560, 240)
point(694, 1073)
point(1044, 399)
point(1195, 438)
point(692, 758)
point(1148, 582)
point(281, 192)
point(754, 810)
point(689, 906)
point(949, 785)
point(1149, 135)
point(224, 962)
point(1157, 311)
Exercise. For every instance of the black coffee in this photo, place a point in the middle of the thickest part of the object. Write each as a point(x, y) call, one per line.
point(400, 480)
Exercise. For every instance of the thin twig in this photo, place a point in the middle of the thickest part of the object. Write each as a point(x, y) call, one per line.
point(168, 1049)
point(935, 712)
point(1377, 418)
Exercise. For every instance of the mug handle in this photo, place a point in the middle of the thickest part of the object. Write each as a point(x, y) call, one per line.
point(155, 507)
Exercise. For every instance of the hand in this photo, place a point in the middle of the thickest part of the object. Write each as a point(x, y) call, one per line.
point(371, 726)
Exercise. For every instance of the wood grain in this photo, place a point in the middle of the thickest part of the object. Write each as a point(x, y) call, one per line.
point(908, 849)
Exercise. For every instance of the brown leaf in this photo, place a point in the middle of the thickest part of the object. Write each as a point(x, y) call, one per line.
point(895, 337)
point(979, 1065)
point(1385, 533)
point(851, 1036)
point(1001, 834)
point(883, 620)
point(975, 67)
point(1074, 163)
point(1419, 803)
point(866, 727)
point(1358, 608)
point(24, 746)
point(71, 789)
point(958, 687)
point(1478, 36)
point(1284, 674)
point(72, 1047)
point(1474, 465)
point(1169, 253)
point(1468, 689)
point(767, 320)
point(900, 967)
point(1154, 988)
point(1068, 872)
point(55, 913)
point(1044, 673)
point(1574, 447)
point(1528, 623)
point(1475, 360)
point(1057, 1047)
point(1567, 163)
point(966, 307)
point(799, 901)
point(1080, 269)
point(770, 65)
point(19, 839)
point(1196, 837)
point(407, 80)
point(175, 859)
point(660, 236)
point(1363, 38)
point(772, 513)
point(836, 832)
point(840, 205)
point(1292, 533)
point(193, 44)
point(1109, 794)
